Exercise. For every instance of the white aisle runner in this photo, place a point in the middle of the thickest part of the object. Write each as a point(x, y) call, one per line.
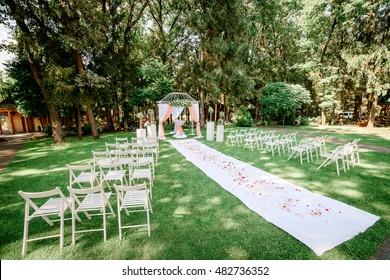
point(317, 221)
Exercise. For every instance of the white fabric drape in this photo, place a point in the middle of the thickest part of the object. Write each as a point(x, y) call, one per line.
point(196, 106)
point(162, 109)
point(176, 111)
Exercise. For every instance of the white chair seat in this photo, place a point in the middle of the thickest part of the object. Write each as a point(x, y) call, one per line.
point(93, 201)
point(114, 175)
point(86, 177)
point(134, 199)
point(52, 207)
point(141, 174)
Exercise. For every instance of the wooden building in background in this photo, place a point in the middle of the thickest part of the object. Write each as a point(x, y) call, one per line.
point(16, 122)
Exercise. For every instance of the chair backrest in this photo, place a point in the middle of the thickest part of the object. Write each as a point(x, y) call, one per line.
point(100, 156)
point(75, 170)
point(121, 140)
point(120, 190)
point(105, 167)
point(118, 154)
point(111, 147)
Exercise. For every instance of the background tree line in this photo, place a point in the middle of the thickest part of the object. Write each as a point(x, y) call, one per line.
point(110, 59)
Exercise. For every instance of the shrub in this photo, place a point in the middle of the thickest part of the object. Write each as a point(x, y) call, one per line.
point(86, 129)
point(304, 120)
point(243, 118)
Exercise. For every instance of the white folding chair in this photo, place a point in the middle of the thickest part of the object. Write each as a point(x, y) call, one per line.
point(250, 141)
point(142, 171)
point(82, 174)
point(151, 148)
point(91, 202)
point(103, 157)
point(260, 138)
point(232, 138)
point(241, 135)
point(55, 205)
point(122, 143)
point(111, 147)
point(300, 150)
point(351, 153)
point(334, 157)
point(133, 199)
point(272, 144)
point(111, 173)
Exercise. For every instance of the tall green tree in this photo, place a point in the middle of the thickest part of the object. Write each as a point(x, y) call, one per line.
point(33, 40)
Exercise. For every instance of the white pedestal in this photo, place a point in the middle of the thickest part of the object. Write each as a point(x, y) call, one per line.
point(220, 133)
point(210, 131)
point(141, 133)
point(152, 131)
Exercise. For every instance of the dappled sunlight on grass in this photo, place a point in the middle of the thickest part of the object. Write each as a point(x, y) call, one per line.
point(165, 200)
point(28, 172)
point(185, 199)
point(228, 223)
point(348, 192)
point(181, 211)
point(237, 253)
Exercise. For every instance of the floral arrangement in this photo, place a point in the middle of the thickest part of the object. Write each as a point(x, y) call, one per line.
point(221, 118)
point(140, 117)
point(211, 111)
point(181, 103)
point(151, 114)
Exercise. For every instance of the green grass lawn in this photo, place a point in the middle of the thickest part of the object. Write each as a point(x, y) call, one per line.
point(194, 218)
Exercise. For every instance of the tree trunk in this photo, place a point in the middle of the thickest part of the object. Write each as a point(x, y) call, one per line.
point(78, 122)
point(110, 124)
point(58, 134)
point(372, 112)
point(92, 123)
point(357, 105)
point(80, 71)
point(323, 117)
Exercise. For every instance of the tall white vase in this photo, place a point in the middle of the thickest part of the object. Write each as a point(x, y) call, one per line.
point(152, 131)
point(141, 133)
point(220, 132)
point(210, 131)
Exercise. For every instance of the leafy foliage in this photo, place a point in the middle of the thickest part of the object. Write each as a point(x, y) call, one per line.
point(243, 117)
point(281, 100)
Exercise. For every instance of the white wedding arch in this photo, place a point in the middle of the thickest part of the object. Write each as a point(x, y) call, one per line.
point(174, 104)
